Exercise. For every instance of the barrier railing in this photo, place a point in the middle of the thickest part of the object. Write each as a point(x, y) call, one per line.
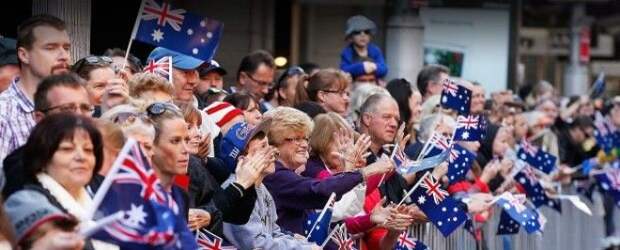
point(572, 229)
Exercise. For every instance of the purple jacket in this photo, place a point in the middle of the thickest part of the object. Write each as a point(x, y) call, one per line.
point(294, 194)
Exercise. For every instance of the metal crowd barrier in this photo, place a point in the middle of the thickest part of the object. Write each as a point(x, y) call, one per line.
point(572, 229)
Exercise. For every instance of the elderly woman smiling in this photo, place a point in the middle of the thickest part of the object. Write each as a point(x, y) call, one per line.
point(293, 193)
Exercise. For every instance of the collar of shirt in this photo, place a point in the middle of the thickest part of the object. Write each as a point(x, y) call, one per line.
point(22, 100)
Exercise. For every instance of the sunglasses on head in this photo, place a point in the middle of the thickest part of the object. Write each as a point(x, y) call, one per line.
point(292, 71)
point(92, 61)
point(159, 108)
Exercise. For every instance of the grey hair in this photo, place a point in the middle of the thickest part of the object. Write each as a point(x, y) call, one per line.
point(429, 124)
point(359, 96)
point(371, 103)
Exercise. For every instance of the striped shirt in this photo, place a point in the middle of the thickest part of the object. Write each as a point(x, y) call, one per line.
point(16, 119)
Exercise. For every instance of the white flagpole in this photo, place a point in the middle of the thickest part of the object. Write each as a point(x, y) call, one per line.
point(331, 234)
point(87, 232)
point(133, 33)
point(107, 182)
point(332, 197)
point(413, 188)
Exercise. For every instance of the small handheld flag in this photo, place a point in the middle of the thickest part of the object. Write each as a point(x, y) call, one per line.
point(161, 67)
point(456, 97)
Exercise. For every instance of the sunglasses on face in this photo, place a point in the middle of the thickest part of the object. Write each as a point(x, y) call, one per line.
point(358, 32)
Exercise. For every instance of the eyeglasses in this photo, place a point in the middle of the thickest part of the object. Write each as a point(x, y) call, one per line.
point(158, 108)
point(343, 93)
point(261, 83)
point(73, 108)
point(92, 61)
point(298, 140)
point(357, 32)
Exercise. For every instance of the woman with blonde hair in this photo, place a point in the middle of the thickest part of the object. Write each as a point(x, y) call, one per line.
point(295, 194)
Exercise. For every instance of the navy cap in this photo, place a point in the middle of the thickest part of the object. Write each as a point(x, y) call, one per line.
point(212, 66)
point(233, 144)
point(179, 60)
point(8, 51)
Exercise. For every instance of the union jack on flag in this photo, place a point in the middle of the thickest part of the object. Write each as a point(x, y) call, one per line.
point(469, 128)
point(164, 14)
point(209, 241)
point(467, 122)
point(342, 238)
point(450, 87)
point(161, 67)
point(433, 188)
point(436, 145)
point(405, 242)
point(609, 181)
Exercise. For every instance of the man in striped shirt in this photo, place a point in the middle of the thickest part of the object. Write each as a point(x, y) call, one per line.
point(42, 49)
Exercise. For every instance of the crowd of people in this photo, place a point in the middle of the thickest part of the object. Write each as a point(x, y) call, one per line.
point(250, 160)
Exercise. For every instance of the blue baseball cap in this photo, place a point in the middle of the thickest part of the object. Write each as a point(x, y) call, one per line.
point(233, 143)
point(179, 60)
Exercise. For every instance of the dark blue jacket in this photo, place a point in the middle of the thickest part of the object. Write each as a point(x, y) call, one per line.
point(295, 194)
point(350, 62)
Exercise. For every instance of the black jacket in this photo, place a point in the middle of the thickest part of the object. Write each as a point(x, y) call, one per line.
point(227, 204)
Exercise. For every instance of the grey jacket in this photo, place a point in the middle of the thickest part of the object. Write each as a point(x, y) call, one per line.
point(261, 231)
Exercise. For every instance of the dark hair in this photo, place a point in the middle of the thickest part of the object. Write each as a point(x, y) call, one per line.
point(400, 90)
point(308, 67)
point(69, 80)
point(49, 133)
point(25, 35)
point(240, 100)
point(83, 67)
point(311, 108)
point(582, 122)
point(430, 73)
point(252, 61)
point(134, 63)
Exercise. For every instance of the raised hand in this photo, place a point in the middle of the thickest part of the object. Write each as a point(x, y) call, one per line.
point(204, 148)
point(198, 218)
point(379, 167)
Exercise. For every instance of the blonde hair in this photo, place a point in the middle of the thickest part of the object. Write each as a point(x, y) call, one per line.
point(286, 120)
point(325, 125)
point(112, 134)
point(143, 82)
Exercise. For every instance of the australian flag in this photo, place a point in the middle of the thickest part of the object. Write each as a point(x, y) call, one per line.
point(469, 128)
point(609, 181)
point(605, 133)
point(407, 242)
point(456, 97)
point(460, 162)
point(316, 227)
point(507, 225)
point(518, 211)
point(161, 67)
point(161, 24)
point(534, 190)
point(151, 216)
point(436, 145)
point(443, 211)
point(536, 157)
